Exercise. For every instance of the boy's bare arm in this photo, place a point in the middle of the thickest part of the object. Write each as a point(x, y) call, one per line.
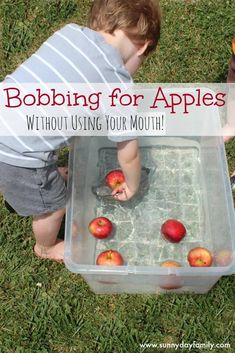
point(129, 160)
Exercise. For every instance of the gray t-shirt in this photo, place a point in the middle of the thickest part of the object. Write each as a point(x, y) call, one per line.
point(73, 54)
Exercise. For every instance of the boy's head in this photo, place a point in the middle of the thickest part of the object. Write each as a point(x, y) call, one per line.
point(138, 19)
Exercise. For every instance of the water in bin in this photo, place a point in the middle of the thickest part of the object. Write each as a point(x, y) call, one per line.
point(101, 190)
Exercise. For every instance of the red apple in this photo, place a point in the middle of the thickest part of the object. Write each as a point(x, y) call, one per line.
point(114, 178)
point(223, 257)
point(100, 227)
point(170, 263)
point(200, 257)
point(110, 258)
point(170, 281)
point(173, 230)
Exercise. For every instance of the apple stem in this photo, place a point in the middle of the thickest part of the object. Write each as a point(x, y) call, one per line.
point(109, 255)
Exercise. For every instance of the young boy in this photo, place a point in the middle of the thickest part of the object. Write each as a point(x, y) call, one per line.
point(229, 128)
point(121, 34)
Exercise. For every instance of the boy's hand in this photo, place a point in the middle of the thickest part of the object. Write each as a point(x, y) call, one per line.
point(123, 193)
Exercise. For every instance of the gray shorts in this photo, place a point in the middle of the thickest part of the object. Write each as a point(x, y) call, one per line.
point(33, 191)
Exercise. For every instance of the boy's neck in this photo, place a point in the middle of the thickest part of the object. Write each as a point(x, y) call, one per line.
point(121, 42)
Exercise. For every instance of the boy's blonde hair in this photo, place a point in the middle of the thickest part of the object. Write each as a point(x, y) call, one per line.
point(139, 19)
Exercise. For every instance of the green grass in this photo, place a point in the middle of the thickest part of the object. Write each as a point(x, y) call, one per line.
point(43, 307)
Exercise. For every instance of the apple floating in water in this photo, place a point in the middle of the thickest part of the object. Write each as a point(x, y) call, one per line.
point(173, 230)
point(223, 257)
point(100, 227)
point(110, 258)
point(170, 281)
point(170, 263)
point(200, 257)
point(114, 178)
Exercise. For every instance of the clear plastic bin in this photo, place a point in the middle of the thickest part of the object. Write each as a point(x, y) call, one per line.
point(188, 181)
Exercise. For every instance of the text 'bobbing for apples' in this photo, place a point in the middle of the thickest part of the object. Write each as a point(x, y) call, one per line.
point(14, 97)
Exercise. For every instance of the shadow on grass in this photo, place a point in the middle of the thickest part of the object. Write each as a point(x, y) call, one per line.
point(62, 228)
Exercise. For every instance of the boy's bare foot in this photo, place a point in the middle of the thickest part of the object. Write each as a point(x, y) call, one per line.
point(55, 252)
point(64, 171)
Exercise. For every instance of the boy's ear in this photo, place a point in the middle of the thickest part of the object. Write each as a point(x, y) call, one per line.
point(143, 48)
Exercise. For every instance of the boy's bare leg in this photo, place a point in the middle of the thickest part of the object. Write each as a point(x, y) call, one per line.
point(46, 228)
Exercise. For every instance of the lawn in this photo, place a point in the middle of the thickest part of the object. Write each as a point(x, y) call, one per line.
point(43, 307)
